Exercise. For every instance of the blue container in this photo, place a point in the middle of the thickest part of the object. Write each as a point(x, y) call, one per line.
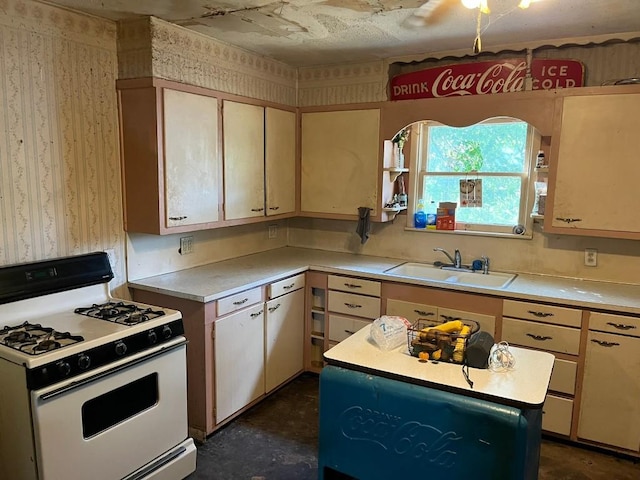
point(420, 219)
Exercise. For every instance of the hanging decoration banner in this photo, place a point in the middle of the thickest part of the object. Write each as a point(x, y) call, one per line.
point(482, 78)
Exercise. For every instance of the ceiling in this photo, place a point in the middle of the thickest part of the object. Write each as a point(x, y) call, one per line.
point(323, 32)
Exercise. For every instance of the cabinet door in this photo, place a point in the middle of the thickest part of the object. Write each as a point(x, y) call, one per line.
point(285, 338)
point(243, 160)
point(598, 147)
point(609, 410)
point(239, 357)
point(280, 161)
point(340, 161)
point(191, 159)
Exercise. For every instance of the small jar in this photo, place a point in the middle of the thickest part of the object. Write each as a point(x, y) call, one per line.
point(540, 160)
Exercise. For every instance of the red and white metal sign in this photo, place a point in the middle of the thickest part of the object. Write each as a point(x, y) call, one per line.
point(481, 78)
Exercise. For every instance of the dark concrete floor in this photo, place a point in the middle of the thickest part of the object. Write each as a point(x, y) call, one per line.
point(278, 440)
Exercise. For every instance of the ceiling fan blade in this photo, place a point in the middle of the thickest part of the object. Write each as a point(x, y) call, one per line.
point(424, 12)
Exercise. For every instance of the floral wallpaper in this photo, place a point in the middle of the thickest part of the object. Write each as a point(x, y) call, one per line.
point(153, 47)
point(60, 188)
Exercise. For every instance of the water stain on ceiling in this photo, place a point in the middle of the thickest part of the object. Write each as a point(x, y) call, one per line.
point(323, 32)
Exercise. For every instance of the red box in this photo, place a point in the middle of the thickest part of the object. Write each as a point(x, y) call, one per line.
point(446, 219)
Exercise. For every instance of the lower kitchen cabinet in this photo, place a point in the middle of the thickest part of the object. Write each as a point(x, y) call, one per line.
point(239, 360)
point(610, 411)
point(284, 338)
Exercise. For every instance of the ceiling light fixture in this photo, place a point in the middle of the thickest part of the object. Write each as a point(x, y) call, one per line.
point(524, 4)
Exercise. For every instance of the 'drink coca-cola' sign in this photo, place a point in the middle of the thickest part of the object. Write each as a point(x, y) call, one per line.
point(481, 78)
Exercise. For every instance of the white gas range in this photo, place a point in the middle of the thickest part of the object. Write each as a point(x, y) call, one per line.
point(90, 386)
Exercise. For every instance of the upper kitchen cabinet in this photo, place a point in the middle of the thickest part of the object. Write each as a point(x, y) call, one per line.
point(594, 165)
point(340, 163)
point(243, 127)
point(280, 161)
point(259, 161)
point(170, 155)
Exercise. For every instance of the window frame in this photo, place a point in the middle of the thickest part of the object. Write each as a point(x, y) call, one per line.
point(419, 145)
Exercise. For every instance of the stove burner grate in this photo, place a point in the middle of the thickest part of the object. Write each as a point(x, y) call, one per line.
point(34, 339)
point(120, 312)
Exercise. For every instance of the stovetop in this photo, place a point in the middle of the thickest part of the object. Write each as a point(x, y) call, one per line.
point(34, 339)
point(121, 312)
point(80, 320)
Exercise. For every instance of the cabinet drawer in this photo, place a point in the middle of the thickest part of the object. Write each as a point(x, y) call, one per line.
point(563, 378)
point(351, 304)
point(556, 415)
point(355, 285)
point(411, 311)
point(539, 335)
point(343, 327)
point(285, 286)
point(569, 317)
point(486, 322)
point(239, 300)
point(605, 322)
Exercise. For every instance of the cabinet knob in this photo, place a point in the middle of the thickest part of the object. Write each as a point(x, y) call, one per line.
point(353, 305)
point(257, 209)
point(240, 302)
point(449, 318)
point(540, 314)
point(352, 285)
point(178, 218)
point(288, 287)
point(254, 315)
point(423, 313)
point(274, 208)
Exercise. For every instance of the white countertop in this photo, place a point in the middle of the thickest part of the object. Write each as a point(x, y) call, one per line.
point(524, 386)
point(217, 280)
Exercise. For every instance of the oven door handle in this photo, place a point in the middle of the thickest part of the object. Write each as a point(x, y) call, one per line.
point(93, 378)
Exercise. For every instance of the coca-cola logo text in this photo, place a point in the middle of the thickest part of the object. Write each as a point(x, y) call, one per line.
point(482, 78)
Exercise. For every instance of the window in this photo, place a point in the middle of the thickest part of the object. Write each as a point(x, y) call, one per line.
point(484, 168)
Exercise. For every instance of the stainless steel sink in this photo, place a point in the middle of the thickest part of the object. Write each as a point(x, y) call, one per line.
point(425, 271)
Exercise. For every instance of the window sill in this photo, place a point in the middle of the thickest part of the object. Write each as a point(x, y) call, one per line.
point(526, 236)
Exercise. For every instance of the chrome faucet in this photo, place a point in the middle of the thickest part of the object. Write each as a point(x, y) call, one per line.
point(456, 260)
point(485, 265)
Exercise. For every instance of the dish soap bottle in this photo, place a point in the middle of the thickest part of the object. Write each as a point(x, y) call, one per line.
point(420, 217)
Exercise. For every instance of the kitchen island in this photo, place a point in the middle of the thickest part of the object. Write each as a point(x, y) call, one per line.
point(384, 414)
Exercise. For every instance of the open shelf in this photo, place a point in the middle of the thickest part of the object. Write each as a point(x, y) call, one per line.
point(395, 172)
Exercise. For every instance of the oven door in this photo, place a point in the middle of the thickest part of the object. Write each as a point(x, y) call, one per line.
point(113, 422)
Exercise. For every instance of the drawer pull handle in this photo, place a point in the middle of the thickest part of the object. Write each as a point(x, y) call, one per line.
point(602, 343)
point(241, 302)
point(274, 308)
point(422, 312)
point(178, 218)
point(274, 208)
point(352, 285)
point(539, 337)
point(568, 220)
point(257, 209)
point(449, 318)
point(621, 326)
point(353, 305)
point(350, 332)
point(540, 314)
point(288, 287)
point(254, 315)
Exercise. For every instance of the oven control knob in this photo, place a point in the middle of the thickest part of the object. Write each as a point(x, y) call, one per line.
point(121, 349)
point(166, 332)
point(152, 337)
point(84, 361)
point(63, 367)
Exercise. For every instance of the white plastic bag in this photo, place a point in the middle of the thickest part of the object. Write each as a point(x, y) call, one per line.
point(389, 332)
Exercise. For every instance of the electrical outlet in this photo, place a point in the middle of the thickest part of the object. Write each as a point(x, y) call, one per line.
point(273, 231)
point(186, 245)
point(590, 257)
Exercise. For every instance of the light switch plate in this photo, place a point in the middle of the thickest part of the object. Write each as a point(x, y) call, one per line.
point(273, 231)
point(590, 257)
